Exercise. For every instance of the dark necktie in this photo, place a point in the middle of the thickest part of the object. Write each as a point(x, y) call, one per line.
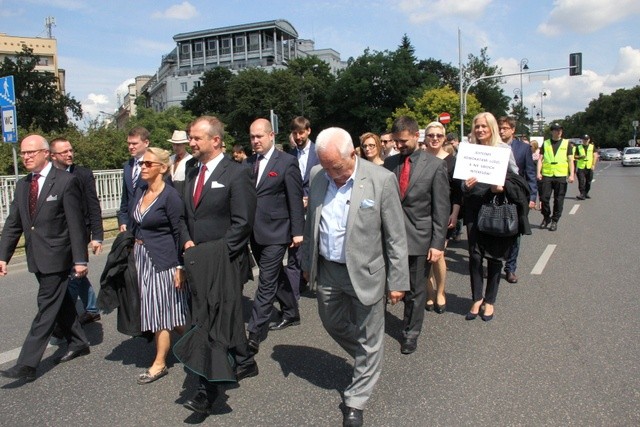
point(33, 194)
point(404, 176)
point(199, 186)
point(136, 174)
point(256, 167)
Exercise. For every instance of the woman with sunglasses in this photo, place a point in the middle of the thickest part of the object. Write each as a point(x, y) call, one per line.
point(156, 221)
point(434, 141)
point(371, 148)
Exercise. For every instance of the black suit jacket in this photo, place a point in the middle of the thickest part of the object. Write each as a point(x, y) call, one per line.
point(312, 160)
point(226, 209)
point(128, 191)
point(426, 204)
point(280, 212)
point(56, 238)
point(90, 203)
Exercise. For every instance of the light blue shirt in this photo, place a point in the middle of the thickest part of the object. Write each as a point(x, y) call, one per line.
point(303, 158)
point(333, 220)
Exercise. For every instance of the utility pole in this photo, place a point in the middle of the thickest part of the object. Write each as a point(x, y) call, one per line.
point(49, 23)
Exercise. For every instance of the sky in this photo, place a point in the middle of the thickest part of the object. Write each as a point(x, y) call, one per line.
point(103, 45)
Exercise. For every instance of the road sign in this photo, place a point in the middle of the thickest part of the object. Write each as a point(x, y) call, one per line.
point(9, 124)
point(444, 118)
point(7, 92)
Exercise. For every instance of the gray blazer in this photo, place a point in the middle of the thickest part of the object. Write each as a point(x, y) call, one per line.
point(376, 241)
point(426, 203)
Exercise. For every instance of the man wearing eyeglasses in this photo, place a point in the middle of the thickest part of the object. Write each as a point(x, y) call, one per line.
point(137, 143)
point(62, 156)
point(388, 145)
point(47, 208)
point(424, 194)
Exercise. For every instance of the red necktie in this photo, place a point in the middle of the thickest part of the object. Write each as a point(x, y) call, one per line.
point(33, 194)
point(199, 186)
point(404, 176)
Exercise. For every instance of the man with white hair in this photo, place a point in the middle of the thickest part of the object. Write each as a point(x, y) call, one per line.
point(355, 248)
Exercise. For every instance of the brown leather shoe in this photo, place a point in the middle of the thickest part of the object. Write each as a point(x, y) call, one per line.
point(511, 277)
point(87, 317)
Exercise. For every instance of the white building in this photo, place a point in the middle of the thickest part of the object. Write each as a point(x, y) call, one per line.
point(268, 44)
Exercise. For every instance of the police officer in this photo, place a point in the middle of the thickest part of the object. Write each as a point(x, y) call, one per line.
point(555, 166)
point(587, 159)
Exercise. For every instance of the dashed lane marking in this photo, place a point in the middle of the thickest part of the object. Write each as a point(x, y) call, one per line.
point(544, 258)
point(574, 209)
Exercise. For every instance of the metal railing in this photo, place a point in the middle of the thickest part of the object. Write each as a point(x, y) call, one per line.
point(108, 187)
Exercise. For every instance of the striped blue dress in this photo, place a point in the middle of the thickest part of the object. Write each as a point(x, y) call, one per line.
point(162, 305)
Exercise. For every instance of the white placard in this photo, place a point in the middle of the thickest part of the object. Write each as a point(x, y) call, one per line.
point(487, 164)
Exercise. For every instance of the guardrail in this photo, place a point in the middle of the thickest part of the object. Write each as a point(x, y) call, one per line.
point(108, 187)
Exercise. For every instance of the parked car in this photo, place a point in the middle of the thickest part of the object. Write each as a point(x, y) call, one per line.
point(610, 154)
point(631, 156)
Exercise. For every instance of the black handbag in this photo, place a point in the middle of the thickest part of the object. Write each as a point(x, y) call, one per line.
point(498, 218)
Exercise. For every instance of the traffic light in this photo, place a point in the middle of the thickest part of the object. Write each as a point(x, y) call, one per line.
point(575, 64)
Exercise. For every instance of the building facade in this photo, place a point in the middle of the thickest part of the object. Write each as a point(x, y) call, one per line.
point(269, 45)
point(45, 48)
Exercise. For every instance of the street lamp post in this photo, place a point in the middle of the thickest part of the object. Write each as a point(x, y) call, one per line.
point(523, 67)
point(543, 94)
point(517, 95)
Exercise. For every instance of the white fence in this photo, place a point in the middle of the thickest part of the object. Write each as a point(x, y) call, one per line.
point(108, 186)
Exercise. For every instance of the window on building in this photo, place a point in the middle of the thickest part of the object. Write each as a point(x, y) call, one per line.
point(212, 47)
point(183, 87)
point(196, 84)
point(254, 42)
point(197, 49)
point(184, 49)
point(225, 46)
point(238, 46)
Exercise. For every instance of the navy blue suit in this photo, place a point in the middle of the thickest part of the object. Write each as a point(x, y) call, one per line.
point(279, 217)
point(128, 192)
point(526, 169)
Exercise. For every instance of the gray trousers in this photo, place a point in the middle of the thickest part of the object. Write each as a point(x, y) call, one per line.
point(357, 328)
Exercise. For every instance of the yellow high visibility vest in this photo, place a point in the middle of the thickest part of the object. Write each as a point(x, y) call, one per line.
point(587, 161)
point(555, 164)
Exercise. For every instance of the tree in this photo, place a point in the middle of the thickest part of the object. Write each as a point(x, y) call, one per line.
point(39, 103)
point(211, 97)
point(488, 92)
point(432, 102)
point(435, 73)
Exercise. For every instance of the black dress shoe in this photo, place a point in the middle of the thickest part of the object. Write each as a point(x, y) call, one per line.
point(70, 355)
point(26, 373)
point(199, 403)
point(440, 308)
point(284, 323)
point(88, 318)
point(409, 345)
point(545, 223)
point(511, 277)
point(254, 343)
point(586, 196)
point(247, 371)
point(553, 226)
point(352, 417)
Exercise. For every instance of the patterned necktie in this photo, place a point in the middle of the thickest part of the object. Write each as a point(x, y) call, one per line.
point(33, 194)
point(404, 177)
point(136, 174)
point(199, 186)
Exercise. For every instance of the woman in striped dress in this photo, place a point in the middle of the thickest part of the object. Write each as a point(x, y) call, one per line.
point(156, 221)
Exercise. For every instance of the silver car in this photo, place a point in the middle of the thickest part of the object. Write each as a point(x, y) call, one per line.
point(631, 157)
point(610, 154)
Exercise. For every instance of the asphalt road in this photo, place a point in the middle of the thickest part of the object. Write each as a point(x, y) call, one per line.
point(562, 350)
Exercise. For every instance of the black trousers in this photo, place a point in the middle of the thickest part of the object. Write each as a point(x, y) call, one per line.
point(558, 186)
point(415, 299)
point(585, 176)
point(494, 268)
point(54, 306)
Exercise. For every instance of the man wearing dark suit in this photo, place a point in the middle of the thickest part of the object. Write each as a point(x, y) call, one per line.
point(355, 249)
point(62, 155)
point(223, 207)
point(137, 142)
point(424, 192)
point(526, 169)
point(305, 152)
point(278, 224)
point(47, 208)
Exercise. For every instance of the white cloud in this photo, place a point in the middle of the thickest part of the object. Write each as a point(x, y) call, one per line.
point(183, 11)
point(586, 16)
point(98, 99)
point(433, 10)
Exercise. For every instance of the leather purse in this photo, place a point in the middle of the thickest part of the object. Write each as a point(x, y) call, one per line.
point(498, 217)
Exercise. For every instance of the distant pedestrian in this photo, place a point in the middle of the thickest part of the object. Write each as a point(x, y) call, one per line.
point(587, 161)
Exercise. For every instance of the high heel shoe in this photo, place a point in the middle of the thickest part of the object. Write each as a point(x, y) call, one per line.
point(440, 308)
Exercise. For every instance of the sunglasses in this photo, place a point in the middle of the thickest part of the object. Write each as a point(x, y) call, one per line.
point(147, 163)
point(435, 135)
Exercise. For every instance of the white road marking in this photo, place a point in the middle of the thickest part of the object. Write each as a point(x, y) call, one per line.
point(544, 258)
point(574, 209)
point(11, 355)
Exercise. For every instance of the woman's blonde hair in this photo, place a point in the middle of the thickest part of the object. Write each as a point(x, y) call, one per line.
point(163, 157)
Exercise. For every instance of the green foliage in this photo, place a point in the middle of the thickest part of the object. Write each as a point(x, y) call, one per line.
point(39, 104)
point(160, 125)
point(432, 103)
point(211, 98)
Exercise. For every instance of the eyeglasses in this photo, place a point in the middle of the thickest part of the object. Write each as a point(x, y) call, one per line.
point(435, 135)
point(384, 141)
point(31, 153)
point(147, 163)
point(69, 151)
point(367, 146)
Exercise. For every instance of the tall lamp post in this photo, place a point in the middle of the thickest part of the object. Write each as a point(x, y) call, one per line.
point(517, 97)
point(543, 94)
point(523, 67)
